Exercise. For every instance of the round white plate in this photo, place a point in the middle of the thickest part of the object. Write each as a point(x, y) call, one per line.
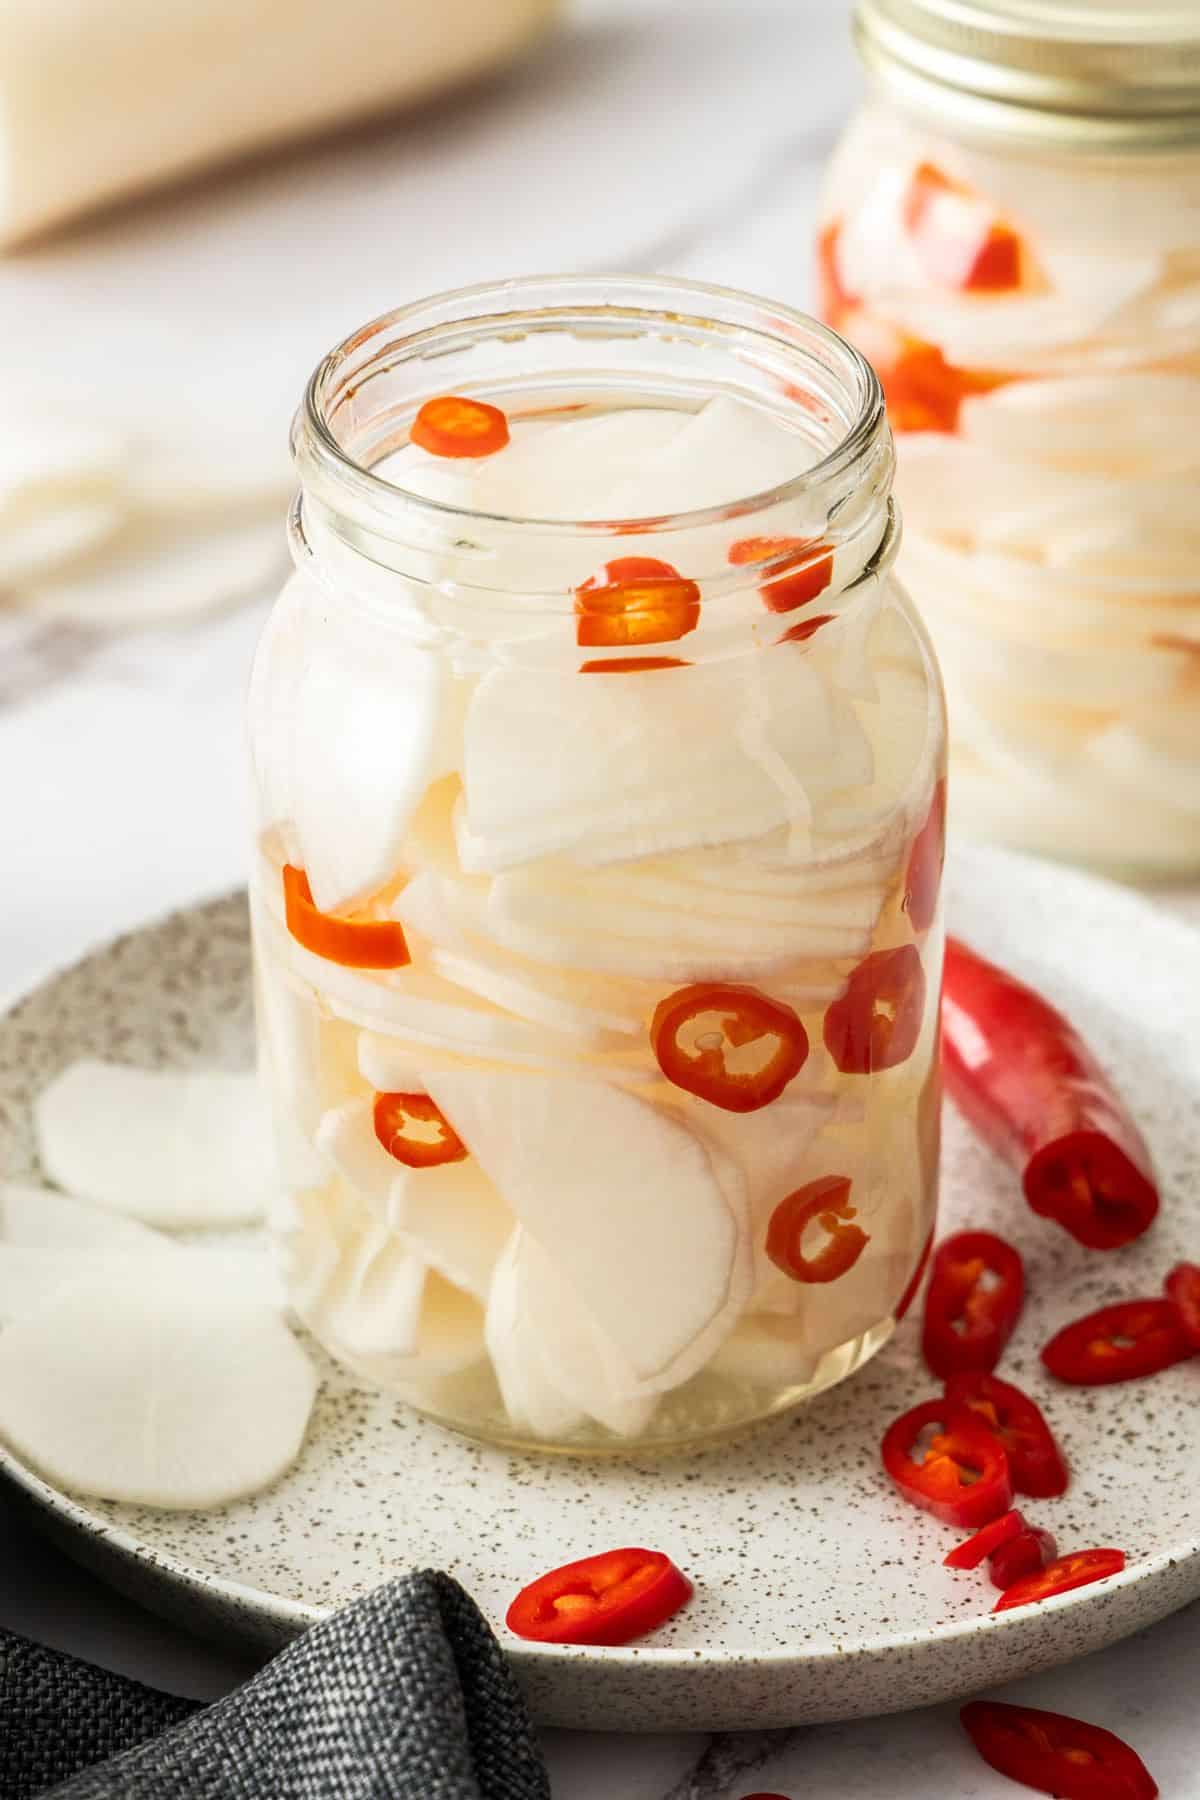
point(820, 1595)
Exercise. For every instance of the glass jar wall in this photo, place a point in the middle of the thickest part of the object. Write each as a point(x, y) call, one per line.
point(1011, 232)
point(596, 891)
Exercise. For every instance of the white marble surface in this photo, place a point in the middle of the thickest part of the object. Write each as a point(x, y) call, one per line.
point(663, 134)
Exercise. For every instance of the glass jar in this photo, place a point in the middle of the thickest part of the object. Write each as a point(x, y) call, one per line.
point(596, 881)
point(1011, 232)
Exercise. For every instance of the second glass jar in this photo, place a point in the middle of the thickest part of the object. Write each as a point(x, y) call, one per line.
point(596, 893)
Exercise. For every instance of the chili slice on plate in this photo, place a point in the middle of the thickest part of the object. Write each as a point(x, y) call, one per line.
point(969, 1318)
point(354, 943)
point(1035, 1460)
point(1022, 1555)
point(1182, 1288)
point(1119, 1343)
point(640, 601)
point(974, 1550)
point(1054, 1754)
point(451, 425)
point(875, 1023)
point(801, 568)
point(611, 1598)
point(962, 1478)
point(703, 1059)
point(1079, 1569)
point(414, 1129)
point(1022, 1075)
point(825, 1202)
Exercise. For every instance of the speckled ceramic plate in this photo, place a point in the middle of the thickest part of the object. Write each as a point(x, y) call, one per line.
point(819, 1594)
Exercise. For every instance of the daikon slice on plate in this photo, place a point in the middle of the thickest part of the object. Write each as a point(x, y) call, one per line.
point(157, 1390)
point(174, 1148)
point(34, 1218)
point(150, 570)
point(625, 1202)
point(30, 1276)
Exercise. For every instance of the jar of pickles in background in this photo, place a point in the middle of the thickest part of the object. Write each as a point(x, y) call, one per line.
point(1011, 232)
point(599, 761)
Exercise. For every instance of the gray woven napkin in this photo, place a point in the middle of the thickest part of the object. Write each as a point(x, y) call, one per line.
point(403, 1696)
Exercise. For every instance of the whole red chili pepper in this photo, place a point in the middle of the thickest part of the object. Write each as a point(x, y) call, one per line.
point(963, 1477)
point(610, 1598)
point(1056, 1755)
point(1026, 1080)
point(1035, 1461)
point(968, 1320)
point(1119, 1343)
point(1079, 1569)
point(1182, 1288)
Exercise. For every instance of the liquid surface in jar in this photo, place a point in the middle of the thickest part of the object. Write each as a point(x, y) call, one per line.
point(1036, 325)
point(667, 870)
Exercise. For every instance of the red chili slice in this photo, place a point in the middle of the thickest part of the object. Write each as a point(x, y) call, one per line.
point(910, 1293)
point(631, 665)
point(958, 238)
point(963, 1478)
point(800, 634)
point(1118, 1343)
point(454, 426)
point(398, 1120)
point(1183, 1291)
point(741, 1017)
point(969, 1554)
point(923, 878)
point(1037, 1464)
point(1022, 1075)
point(805, 568)
point(354, 943)
point(876, 1022)
point(826, 1201)
point(1027, 1553)
point(969, 1319)
point(640, 601)
point(1056, 1755)
point(611, 1598)
point(1079, 1569)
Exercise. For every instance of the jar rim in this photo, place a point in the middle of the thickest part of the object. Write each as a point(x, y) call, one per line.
point(342, 479)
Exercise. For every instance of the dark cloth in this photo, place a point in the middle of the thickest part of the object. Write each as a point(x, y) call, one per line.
point(403, 1696)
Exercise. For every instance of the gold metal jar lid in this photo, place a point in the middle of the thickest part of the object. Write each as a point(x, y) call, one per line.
point(1100, 75)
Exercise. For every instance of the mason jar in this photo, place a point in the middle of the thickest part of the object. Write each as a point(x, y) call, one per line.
point(1011, 232)
point(599, 770)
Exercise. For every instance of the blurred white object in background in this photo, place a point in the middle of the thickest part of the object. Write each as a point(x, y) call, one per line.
point(99, 98)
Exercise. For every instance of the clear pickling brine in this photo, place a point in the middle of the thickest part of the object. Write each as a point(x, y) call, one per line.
point(1011, 233)
point(600, 772)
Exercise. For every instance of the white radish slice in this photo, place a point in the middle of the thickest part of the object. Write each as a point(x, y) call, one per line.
point(533, 1402)
point(769, 1147)
point(452, 1217)
point(577, 1355)
point(373, 724)
point(290, 1051)
point(726, 451)
point(282, 653)
point(33, 1218)
point(29, 1276)
point(49, 460)
point(1135, 422)
point(530, 999)
point(346, 1138)
point(605, 770)
point(766, 1350)
point(149, 571)
point(191, 476)
point(174, 1148)
point(612, 1188)
point(159, 1392)
point(1143, 765)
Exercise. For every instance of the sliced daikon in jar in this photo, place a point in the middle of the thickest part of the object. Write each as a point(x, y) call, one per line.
point(452, 1216)
point(375, 720)
point(1137, 422)
point(616, 1191)
point(603, 770)
point(347, 1140)
point(767, 1350)
point(532, 1400)
point(175, 1148)
point(145, 1385)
